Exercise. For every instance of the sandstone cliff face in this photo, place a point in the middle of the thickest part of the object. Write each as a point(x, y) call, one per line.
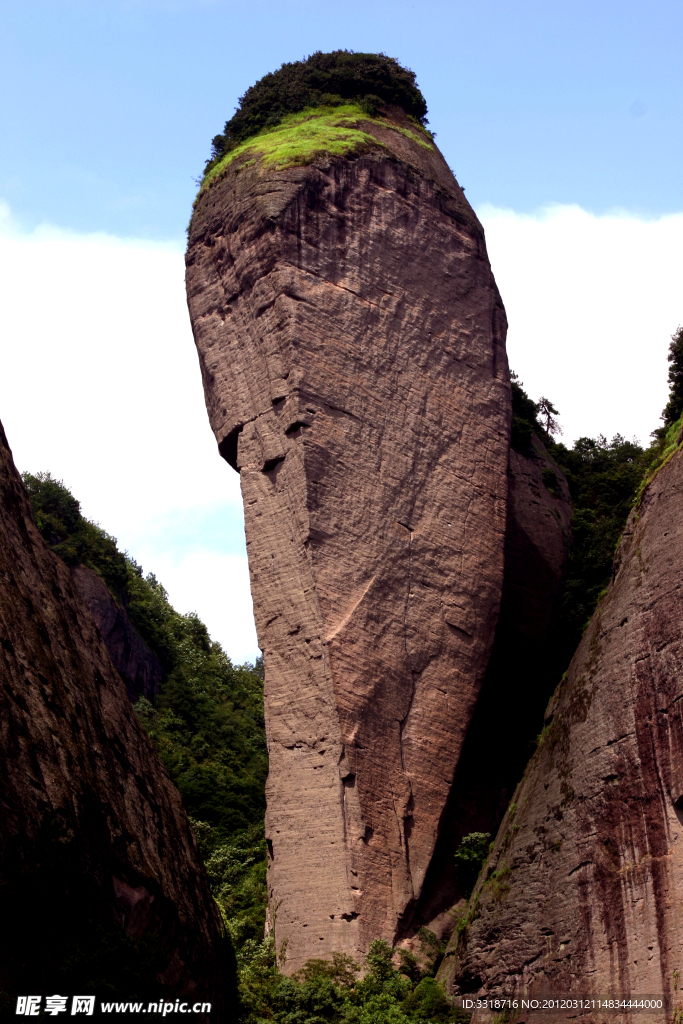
point(520, 677)
point(97, 861)
point(587, 895)
point(351, 339)
point(137, 665)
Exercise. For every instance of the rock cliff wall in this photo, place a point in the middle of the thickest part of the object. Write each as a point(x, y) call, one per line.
point(137, 665)
point(100, 877)
point(582, 894)
point(351, 339)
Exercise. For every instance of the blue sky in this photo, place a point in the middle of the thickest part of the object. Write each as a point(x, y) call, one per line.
point(108, 107)
point(562, 120)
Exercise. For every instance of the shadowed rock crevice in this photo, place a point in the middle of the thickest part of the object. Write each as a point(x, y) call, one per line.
point(228, 446)
point(521, 675)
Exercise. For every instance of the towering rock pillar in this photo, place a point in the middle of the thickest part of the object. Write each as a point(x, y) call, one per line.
point(351, 339)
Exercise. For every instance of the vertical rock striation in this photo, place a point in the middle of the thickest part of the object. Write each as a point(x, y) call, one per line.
point(100, 877)
point(583, 891)
point(351, 340)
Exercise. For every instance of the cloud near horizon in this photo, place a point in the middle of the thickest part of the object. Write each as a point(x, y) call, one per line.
point(592, 302)
point(99, 381)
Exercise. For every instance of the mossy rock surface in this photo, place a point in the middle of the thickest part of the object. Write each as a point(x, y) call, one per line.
point(298, 139)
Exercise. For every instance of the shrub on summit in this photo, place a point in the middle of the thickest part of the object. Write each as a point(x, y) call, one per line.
point(321, 79)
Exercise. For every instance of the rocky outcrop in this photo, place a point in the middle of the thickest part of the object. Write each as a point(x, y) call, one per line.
point(351, 339)
point(582, 894)
point(520, 678)
point(137, 665)
point(100, 877)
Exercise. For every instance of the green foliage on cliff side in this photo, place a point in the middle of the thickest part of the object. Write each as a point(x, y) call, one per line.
point(603, 478)
point(674, 406)
point(470, 857)
point(300, 138)
point(525, 421)
point(330, 991)
point(71, 536)
point(323, 79)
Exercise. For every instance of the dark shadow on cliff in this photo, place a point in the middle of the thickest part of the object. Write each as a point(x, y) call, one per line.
point(61, 932)
point(523, 671)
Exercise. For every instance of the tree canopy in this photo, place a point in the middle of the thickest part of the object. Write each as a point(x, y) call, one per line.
point(323, 78)
point(674, 407)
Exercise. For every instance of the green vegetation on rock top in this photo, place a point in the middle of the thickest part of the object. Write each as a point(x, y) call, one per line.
point(323, 79)
point(299, 138)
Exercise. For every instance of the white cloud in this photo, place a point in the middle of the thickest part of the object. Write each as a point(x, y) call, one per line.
point(99, 381)
point(217, 586)
point(592, 302)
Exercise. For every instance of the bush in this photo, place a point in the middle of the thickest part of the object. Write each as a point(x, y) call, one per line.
point(674, 407)
point(429, 1002)
point(321, 79)
point(469, 859)
point(524, 418)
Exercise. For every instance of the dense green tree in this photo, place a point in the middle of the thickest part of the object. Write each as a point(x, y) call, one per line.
point(323, 78)
point(469, 858)
point(71, 536)
point(674, 406)
point(524, 418)
point(547, 413)
point(603, 478)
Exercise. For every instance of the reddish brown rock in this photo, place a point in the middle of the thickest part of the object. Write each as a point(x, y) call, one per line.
point(351, 339)
point(521, 675)
point(584, 894)
point(137, 665)
point(98, 865)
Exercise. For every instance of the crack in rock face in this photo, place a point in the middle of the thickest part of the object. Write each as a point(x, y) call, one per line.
point(352, 344)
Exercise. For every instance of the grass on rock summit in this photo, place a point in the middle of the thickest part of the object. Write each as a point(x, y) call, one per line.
point(300, 138)
point(316, 106)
